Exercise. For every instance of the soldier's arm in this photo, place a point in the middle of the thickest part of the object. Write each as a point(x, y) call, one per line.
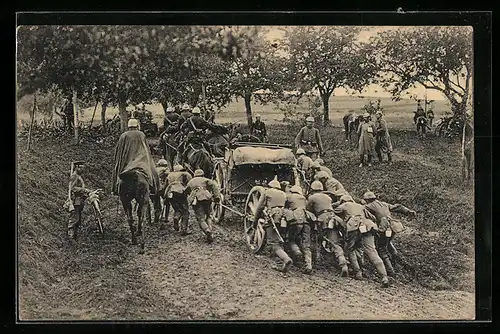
point(369, 215)
point(335, 204)
point(318, 139)
point(214, 187)
point(399, 208)
point(298, 137)
point(310, 205)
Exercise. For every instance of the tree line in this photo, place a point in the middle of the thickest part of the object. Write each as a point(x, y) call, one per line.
point(122, 65)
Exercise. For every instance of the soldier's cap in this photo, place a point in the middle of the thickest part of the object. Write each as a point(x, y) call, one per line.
point(300, 151)
point(133, 123)
point(346, 198)
point(170, 109)
point(274, 183)
point(310, 119)
point(185, 106)
point(196, 111)
point(162, 162)
point(320, 161)
point(315, 165)
point(178, 168)
point(257, 116)
point(316, 185)
point(199, 172)
point(322, 175)
point(369, 195)
point(296, 189)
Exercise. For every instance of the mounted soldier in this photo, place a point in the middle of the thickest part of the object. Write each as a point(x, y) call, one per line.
point(194, 129)
point(258, 129)
point(309, 139)
point(419, 113)
point(185, 113)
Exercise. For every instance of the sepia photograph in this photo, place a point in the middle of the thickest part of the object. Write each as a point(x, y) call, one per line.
point(197, 173)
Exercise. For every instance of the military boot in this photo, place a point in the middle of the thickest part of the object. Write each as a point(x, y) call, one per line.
point(345, 271)
point(184, 227)
point(385, 282)
point(359, 275)
point(210, 237)
point(287, 261)
point(389, 157)
point(308, 261)
point(388, 266)
point(176, 224)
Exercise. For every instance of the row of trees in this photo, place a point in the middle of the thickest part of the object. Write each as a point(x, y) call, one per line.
point(121, 65)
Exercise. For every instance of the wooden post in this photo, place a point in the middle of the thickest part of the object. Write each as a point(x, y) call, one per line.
point(75, 114)
point(92, 120)
point(32, 121)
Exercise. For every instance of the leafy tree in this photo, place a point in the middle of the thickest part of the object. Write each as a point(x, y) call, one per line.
point(438, 58)
point(326, 58)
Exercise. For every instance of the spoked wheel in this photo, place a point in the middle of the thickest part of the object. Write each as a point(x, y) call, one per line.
point(255, 234)
point(219, 177)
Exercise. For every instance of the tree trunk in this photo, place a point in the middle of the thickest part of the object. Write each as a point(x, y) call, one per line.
point(68, 115)
point(122, 110)
point(75, 112)
point(248, 107)
point(103, 115)
point(326, 112)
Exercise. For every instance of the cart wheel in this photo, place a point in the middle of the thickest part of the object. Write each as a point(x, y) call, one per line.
point(255, 235)
point(217, 209)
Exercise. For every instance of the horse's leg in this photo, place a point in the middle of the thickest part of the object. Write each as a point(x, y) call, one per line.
point(140, 217)
point(157, 207)
point(127, 206)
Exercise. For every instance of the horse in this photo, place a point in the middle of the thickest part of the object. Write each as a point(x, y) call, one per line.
point(169, 143)
point(197, 157)
point(134, 185)
point(351, 123)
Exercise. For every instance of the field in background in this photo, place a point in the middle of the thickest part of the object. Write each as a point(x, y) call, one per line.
point(398, 114)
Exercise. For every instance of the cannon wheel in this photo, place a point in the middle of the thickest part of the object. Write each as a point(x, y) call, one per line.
point(219, 177)
point(255, 235)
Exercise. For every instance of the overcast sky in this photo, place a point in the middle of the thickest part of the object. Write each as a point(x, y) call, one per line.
point(372, 90)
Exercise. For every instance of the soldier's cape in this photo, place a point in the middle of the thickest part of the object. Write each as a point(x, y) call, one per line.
point(132, 153)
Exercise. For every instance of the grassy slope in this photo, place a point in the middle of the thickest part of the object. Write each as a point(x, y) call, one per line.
point(425, 177)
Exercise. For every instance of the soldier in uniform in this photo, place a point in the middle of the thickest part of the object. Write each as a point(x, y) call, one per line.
point(299, 230)
point(274, 201)
point(323, 167)
point(259, 129)
point(171, 121)
point(360, 234)
point(309, 139)
point(78, 195)
point(387, 226)
point(303, 161)
point(201, 192)
point(194, 127)
point(185, 113)
point(420, 112)
point(176, 183)
point(317, 167)
point(366, 133)
point(430, 112)
point(383, 139)
point(327, 224)
point(331, 185)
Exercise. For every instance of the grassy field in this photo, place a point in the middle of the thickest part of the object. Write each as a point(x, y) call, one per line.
point(398, 114)
point(103, 277)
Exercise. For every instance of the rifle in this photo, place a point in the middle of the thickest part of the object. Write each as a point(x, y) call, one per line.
point(273, 225)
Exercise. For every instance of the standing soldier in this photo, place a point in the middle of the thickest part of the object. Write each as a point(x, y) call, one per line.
point(201, 192)
point(387, 226)
point(259, 129)
point(273, 201)
point(360, 234)
point(383, 139)
point(430, 112)
point(366, 132)
point(420, 112)
point(176, 196)
point(78, 194)
point(299, 230)
point(309, 139)
point(327, 225)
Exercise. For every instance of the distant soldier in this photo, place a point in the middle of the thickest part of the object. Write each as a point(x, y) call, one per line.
point(78, 194)
point(360, 234)
point(419, 113)
point(201, 193)
point(387, 226)
point(194, 128)
point(327, 224)
point(176, 183)
point(259, 129)
point(383, 139)
point(331, 185)
point(309, 139)
point(366, 133)
point(299, 230)
point(303, 161)
point(285, 186)
point(185, 113)
point(162, 171)
point(273, 201)
point(171, 121)
point(430, 112)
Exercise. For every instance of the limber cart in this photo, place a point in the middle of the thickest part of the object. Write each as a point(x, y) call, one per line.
point(243, 175)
